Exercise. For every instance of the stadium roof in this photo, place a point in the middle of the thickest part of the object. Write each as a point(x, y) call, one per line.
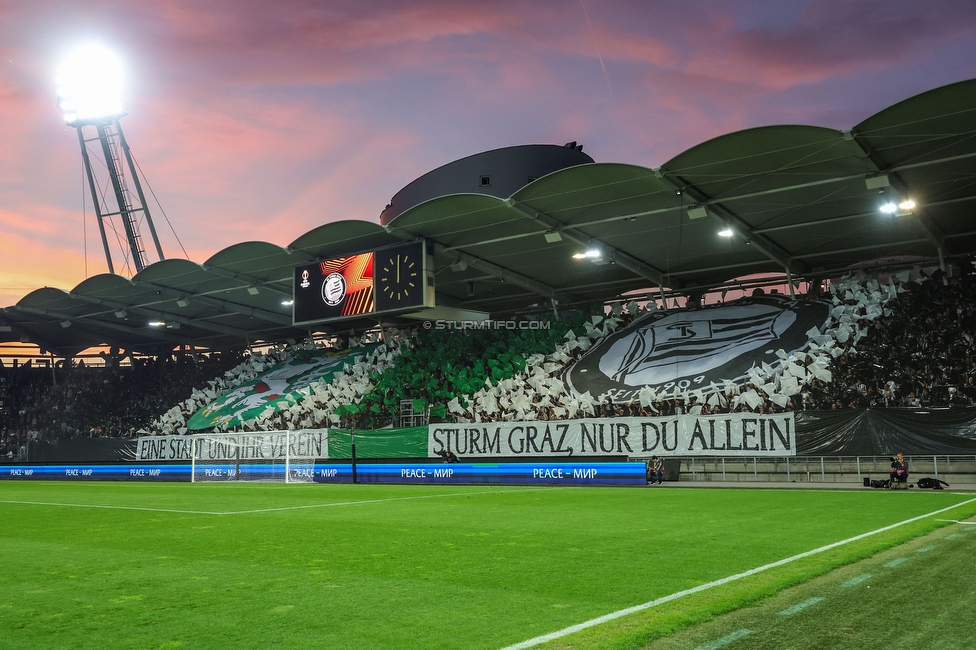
point(800, 200)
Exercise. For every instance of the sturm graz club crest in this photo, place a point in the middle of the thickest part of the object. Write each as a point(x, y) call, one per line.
point(334, 289)
point(691, 348)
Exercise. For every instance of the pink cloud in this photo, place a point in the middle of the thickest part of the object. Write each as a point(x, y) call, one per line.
point(253, 122)
point(835, 37)
point(247, 171)
point(320, 42)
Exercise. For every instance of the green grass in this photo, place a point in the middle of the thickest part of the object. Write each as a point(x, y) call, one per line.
point(405, 566)
point(915, 595)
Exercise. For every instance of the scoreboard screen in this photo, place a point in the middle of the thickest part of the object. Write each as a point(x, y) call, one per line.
point(385, 280)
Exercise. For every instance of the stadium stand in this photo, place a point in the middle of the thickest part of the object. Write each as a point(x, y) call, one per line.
point(511, 247)
point(885, 346)
point(921, 353)
point(97, 402)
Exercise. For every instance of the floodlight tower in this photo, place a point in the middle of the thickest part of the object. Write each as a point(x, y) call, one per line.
point(89, 95)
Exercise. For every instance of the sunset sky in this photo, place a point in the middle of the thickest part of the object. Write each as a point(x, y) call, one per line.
point(258, 120)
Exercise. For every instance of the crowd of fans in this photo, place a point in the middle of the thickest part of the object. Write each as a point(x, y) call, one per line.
point(919, 350)
point(922, 353)
point(13, 443)
point(85, 401)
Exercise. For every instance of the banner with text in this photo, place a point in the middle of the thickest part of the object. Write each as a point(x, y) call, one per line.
point(730, 434)
point(268, 445)
point(163, 448)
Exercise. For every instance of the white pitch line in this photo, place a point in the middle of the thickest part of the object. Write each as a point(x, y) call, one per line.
point(572, 629)
point(366, 501)
point(725, 640)
point(799, 607)
point(92, 505)
point(956, 521)
point(857, 580)
point(259, 510)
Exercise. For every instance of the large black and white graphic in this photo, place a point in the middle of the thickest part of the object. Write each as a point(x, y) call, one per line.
point(692, 348)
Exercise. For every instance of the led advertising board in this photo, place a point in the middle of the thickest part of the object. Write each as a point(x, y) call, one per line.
point(385, 280)
point(115, 472)
point(630, 473)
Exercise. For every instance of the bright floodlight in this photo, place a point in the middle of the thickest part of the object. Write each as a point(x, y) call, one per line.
point(889, 208)
point(725, 233)
point(907, 204)
point(90, 84)
point(588, 255)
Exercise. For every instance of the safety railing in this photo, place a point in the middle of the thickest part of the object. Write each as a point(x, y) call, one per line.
point(822, 469)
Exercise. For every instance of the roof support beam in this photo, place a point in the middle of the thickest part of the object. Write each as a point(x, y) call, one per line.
point(856, 249)
point(631, 216)
point(165, 294)
point(748, 195)
point(499, 272)
point(840, 179)
point(96, 327)
point(163, 315)
point(858, 215)
point(255, 312)
point(933, 231)
point(928, 225)
point(482, 265)
point(760, 242)
point(627, 261)
point(744, 196)
point(250, 279)
point(26, 332)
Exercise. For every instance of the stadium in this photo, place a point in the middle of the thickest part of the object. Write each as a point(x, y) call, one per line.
point(436, 429)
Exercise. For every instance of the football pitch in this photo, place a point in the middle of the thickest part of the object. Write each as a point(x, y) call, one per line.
point(174, 565)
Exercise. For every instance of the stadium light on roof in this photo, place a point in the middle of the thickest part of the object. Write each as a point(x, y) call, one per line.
point(588, 255)
point(89, 84)
point(725, 233)
point(903, 208)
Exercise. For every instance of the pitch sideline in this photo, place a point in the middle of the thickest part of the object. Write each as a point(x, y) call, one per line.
point(579, 627)
point(260, 510)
